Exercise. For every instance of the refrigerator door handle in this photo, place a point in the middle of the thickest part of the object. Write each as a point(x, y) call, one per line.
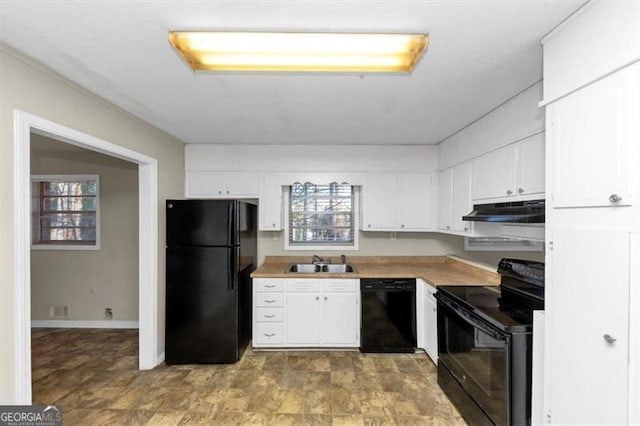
point(232, 269)
point(230, 223)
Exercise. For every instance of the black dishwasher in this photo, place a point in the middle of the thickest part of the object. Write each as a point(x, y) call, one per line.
point(388, 315)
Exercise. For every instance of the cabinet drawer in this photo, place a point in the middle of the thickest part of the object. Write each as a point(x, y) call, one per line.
point(262, 284)
point(269, 300)
point(340, 285)
point(302, 285)
point(269, 314)
point(268, 334)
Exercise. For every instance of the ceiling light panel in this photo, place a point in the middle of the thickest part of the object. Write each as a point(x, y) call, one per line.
point(316, 52)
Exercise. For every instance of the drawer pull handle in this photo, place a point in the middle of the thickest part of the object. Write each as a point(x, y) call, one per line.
point(269, 301)
point(269, 316)
point(269, 334)
point(270, 285)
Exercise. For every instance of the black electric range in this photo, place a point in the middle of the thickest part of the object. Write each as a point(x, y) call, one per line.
point(485, 344)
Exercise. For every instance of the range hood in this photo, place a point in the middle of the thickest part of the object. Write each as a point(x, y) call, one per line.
point(514, 212)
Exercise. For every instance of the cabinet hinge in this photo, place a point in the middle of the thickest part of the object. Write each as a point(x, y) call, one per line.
point(548, 416)
point(550, 244)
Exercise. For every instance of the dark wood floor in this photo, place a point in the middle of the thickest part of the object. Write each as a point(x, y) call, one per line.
point(93, 375)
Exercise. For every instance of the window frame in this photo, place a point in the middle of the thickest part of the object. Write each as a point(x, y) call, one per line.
point(35, 214)
point(288, 245)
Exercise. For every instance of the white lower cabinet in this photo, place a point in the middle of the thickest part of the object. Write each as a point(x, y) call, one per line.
point(302, 325)
point(427, 319)
point(340, 319)
point(306, 312)
point(431, 324)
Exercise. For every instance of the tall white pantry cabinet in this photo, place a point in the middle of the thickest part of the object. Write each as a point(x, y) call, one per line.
point(592, 100)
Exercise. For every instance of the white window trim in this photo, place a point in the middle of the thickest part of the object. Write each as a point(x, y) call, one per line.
point(61, 178)
point(321, 247)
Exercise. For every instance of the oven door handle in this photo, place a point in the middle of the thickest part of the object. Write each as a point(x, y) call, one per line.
point(476, 323)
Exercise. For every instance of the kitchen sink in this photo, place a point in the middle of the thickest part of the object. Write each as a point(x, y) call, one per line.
point(340, 268)
point(311, 268)
point(304, 268)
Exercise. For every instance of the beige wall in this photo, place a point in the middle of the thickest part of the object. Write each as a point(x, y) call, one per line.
point(27, 86)
point(405, 244)
point(88, 281)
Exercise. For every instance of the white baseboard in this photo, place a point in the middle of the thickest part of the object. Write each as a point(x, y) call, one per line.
point(83, 324)
point(160, 359)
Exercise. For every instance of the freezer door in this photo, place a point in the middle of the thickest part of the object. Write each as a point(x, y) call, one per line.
point(202, 222)
point(201, 305)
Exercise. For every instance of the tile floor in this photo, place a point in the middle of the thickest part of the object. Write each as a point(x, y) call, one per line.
point(93, 375)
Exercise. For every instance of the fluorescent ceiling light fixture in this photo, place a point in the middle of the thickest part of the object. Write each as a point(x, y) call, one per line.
point(316, 52)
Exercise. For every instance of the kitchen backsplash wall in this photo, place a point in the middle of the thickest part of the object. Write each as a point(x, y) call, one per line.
point(404, 244)
point(88, 281)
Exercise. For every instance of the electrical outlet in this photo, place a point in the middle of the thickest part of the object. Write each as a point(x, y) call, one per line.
point(108, 314)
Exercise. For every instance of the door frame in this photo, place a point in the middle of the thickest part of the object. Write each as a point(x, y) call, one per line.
point(24, 125)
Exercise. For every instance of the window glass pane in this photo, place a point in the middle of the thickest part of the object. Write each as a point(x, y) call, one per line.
point(74, 235)
point(57, 220)
point(321, 214)
point(69, 188)
point(69, 203)
point(64, 212)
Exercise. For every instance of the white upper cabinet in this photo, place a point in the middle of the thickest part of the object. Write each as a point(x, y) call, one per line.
point(398, 202)
point(417, 200)
point(599, 38)
point(593, 133)
point(270, 208)
point(494, 174)
point(206, 184)
point(512, 173)
point(243, 184)
point(530, 166)
point(454, 198)
point(379, 202)
point(461, 197)
point(445, 197)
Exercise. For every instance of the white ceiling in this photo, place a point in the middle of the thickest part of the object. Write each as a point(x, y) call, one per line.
point(481, 53)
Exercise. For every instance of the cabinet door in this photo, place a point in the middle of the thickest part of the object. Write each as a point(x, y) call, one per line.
point(431, 325)
point(270, 208)
point(530, 179)
point(302, 319)
point(380, 202)
point(204, 184)
point(242, 184)
point(588, 299)
point(445, 197)
point(493, 174)
point(461, 203)
point(592, 134)
point(416, 193)
point(340, 319)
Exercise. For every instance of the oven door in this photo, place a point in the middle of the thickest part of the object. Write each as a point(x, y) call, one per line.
point(477, 355)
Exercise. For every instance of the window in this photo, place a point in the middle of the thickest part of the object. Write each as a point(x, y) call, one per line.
point(321, 216)
point(65, 212)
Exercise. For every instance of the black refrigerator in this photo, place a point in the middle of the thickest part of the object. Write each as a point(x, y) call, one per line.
point(211, 252)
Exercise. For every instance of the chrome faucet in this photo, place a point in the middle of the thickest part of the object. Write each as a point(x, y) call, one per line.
point(316, 259)
point(344, 259)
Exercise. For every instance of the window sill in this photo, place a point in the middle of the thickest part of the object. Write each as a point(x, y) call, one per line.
point(320, 248)
point(42, 247)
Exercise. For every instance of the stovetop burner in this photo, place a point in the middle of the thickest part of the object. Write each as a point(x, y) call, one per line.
point(508, 307)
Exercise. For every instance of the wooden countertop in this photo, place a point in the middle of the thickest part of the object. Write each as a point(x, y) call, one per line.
point(435, 270)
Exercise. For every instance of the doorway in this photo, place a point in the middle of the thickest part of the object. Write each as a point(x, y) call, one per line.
point(24, 125)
